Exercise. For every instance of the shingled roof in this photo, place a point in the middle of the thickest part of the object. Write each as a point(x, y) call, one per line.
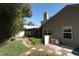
point(65, 8)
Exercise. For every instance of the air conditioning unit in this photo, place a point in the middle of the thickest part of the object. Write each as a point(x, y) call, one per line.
point(55, 41)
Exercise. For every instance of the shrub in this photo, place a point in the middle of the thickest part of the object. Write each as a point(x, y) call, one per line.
point(36, 41)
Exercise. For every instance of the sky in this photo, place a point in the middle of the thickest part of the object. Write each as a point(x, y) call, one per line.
point(38, 10)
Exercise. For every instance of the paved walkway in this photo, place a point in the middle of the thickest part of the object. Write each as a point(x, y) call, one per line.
point(65, 50)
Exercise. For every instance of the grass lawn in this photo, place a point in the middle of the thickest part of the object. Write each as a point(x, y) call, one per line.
point(38, 53)
point(12, 48)
point(41, 53)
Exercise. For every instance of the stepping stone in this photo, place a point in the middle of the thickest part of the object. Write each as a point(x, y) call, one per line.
point(59, 48)
point(50, 51)
point(28, 52)
point(70, 54)
point(58, 52)
point(40, 49)
point(33, 48)
point(27, 45)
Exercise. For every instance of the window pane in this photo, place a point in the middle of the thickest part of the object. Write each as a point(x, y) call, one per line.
point(67, 27)
point(67, 35)
point(45, 32)
point(49, 33)
point(67, 30)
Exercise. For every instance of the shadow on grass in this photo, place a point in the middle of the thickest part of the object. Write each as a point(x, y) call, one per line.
point(5, 41)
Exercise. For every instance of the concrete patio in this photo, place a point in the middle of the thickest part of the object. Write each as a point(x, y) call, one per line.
point(62, 49)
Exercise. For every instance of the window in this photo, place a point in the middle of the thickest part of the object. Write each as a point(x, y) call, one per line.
point(67, 32)
point(47, 32)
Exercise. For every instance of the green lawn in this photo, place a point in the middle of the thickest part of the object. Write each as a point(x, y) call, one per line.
point(12, 48)
point(41, 53)
point(38, 53)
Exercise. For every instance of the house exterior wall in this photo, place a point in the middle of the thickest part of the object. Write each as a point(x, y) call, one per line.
point(68, 16)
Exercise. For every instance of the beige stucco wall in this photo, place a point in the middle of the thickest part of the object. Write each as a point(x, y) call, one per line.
point(68, 16)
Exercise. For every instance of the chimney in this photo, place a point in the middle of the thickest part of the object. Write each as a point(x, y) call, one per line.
point(45, 16)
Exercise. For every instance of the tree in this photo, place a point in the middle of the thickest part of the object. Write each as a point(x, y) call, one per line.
point(25, 21)
point(30, 23)
point(11, 18)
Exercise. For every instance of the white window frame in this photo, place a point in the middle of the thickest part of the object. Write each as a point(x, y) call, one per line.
point(67, 27)
point(47, 31)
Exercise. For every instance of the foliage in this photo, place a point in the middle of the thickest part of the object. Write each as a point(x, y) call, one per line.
point(36, 41)
point(11, 18)
point(12, 48)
